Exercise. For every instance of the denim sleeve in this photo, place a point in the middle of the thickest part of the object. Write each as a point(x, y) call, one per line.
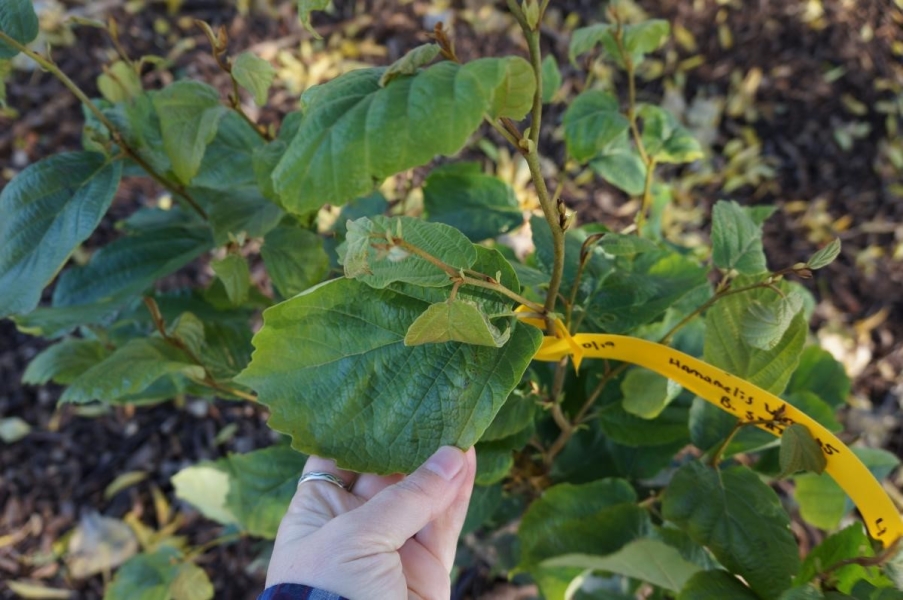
point(294, 591)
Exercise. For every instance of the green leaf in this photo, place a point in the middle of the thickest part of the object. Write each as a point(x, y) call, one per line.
point(738, 518)
point(130, 370)
point(825, 256)
point(262, 484)
point(646, 394)
point(802, 593)
point(455, 321)
point(627, 429)
point(191, 583)
point(585, 39)
point(620, 165)
point(238, 211)
point(373, 252)
point(516, 415)
point(355, 132)
point(629, 299)
point(483, 503)
point(736, 240)
point(255, 75)
point(800, 452)
point(597, 519)
point(64, 361)
point(768, 369)
point(648, 36)
point(551, 79)
point(120, 82)
point(228, 163)
point(618, 244)
point(235, 274)
point(305, 7)
point(821, 374)
point(494, 462)
point(645, 559)
point(592, 122)
point(816, 408)
point(294, 259)
point(850, 542)
point(19, 21)
point(410, 63)
point(764, 323)
point(48, 210)
point(146, 576)
point(189, 114)
point(332, 366)
point(715, 585)
point(480, 206)
point(822, 502)
point(665, 139)
point(130, 264)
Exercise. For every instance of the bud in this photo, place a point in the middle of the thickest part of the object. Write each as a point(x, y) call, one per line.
point(531, 13)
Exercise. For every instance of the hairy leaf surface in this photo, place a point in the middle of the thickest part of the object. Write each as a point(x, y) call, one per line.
point(48, 210)
point(355, 132)
point(332, 366)
point(738, 518)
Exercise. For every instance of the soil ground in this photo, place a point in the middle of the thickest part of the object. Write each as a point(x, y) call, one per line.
point(820, 64)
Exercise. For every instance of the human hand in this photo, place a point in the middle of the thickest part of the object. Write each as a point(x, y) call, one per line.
point(390, 537)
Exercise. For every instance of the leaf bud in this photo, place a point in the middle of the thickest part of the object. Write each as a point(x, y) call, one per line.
point(531, 13)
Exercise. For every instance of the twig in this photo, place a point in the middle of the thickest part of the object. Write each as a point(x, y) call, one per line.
point(49, 66)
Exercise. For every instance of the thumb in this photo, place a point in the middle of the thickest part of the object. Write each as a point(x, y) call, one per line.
point(398, 512)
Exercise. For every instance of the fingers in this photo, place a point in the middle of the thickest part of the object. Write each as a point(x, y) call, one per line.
point(315, 464)
point(440, 536)
point(399, 511)
point(368, 485)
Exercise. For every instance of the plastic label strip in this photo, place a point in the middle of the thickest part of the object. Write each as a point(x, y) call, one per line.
point(745, 401)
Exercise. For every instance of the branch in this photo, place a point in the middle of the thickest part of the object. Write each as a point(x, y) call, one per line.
point(208, 380)
point(49, 66)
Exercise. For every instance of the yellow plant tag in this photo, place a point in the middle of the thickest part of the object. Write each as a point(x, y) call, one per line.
point(742, 399)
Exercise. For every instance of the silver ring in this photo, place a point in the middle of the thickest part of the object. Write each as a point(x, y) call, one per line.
point(322, 476)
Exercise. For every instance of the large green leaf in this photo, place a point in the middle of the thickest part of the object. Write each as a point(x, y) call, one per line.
point(738, 518)
point(332, 366)
point(725, 348)
point(228, 161)
point(821, 374)
point(19, 21)
point(641, 293)
point(597, 518)
point(130, 264)
point(189, 113)
point(65, 361)
point(294, 258)
point(765, 322)
point(373, 251)
point(480, 206)
point(159, 575)
point(48, 210)
point(592, 122)
point(715, 585)
point(130, 370)
point(355, 132)
point(736, 239)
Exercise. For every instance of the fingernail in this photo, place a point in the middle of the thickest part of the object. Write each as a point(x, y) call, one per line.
point(446, 462)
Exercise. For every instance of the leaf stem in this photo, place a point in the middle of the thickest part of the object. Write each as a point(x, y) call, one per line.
point(208, 379)
point(457, 275)
point(51, 67)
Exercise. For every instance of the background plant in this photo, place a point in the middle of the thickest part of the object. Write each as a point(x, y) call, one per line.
point(557, 439)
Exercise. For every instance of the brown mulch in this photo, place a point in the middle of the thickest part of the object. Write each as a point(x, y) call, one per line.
point(61, 470)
